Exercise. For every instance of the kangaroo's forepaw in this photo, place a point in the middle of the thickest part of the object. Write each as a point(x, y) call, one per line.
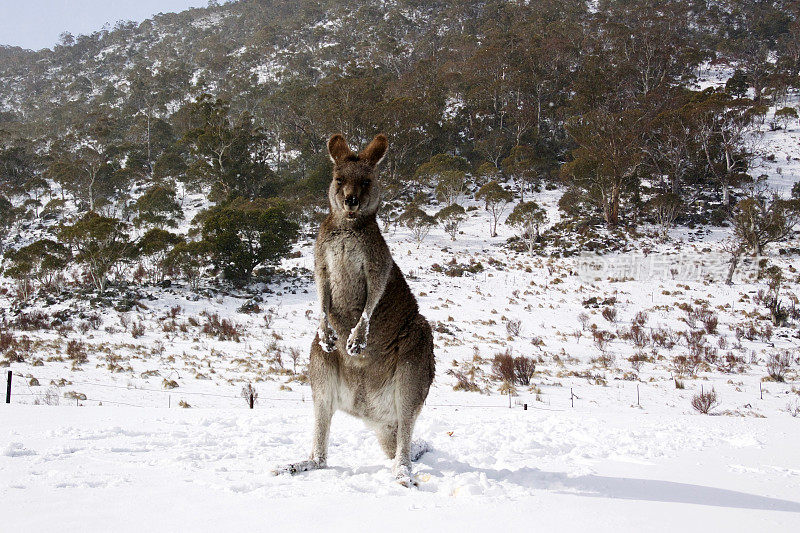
point(295, 468)
point(357, 340)
point(355, 346)
point(327, 339)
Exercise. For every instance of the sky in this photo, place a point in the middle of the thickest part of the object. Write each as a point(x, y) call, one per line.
point(36, 24)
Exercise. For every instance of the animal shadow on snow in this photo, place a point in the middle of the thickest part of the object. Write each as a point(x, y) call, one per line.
point(621, 488)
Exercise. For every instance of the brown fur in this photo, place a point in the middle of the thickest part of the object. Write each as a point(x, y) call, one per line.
point(373, 354)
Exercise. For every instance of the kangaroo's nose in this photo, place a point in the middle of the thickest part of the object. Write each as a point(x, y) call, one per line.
point(351, 200)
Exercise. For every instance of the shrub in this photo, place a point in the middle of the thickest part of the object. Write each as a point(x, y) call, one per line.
point(451, 218)
point(503, 367)
point(418, 221)
point(610, 314)
point(250, 395)
point(686, 366)
point(463, 381)
point(76, 351)
point(705, 401)
point(527, 218)
point(137, 330)
point(778, 364)
point(513, 327)
point(245, 234)
point(524, 368)
point(495, 199)
point(223, 329)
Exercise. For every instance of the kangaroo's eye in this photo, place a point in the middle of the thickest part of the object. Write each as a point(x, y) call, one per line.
point(367, 182)
point(338, 181)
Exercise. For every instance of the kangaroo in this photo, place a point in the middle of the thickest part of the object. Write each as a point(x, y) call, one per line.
point(372, 356)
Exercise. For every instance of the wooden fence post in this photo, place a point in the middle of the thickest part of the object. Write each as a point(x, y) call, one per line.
point(8, 387)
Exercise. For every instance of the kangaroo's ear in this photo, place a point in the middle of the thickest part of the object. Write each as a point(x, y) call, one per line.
point(375, 150)
point(338, 149)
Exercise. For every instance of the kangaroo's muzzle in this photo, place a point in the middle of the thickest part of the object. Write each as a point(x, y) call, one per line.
point(351, 201)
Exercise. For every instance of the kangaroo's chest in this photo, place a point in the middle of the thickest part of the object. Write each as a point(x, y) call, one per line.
point(346, 261)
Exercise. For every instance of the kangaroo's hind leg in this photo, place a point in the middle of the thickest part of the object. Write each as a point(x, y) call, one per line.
point(413, 378)
point(323, 376)
point(387, 437)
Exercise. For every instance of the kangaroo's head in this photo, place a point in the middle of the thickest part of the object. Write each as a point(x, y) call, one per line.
point(354, 192)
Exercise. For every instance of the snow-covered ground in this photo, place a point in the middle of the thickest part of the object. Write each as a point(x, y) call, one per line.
point(124, 469)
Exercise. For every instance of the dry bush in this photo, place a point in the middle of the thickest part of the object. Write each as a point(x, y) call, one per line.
point(524, 368)
point(686, 366)
point(777, 365)
point(503, 366)
point(705, 401)
point(729, 363)
point(640, 319)
point(696, 342)
point(137, 330)
point(269, 316)
point(664, 338)
point(35, 320)
point(583, 318)
point(610, 314)
point(637, 360)
point(76, 352)
point(513, 327)
point(250, 395)
point(223, 329)
point(294, 355)
point(463, 381)
point(637, 336)
point(710, 321)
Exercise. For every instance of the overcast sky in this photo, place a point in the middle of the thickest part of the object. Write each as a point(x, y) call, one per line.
point(37, 24)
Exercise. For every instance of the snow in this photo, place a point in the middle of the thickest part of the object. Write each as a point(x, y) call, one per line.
point(205, 469)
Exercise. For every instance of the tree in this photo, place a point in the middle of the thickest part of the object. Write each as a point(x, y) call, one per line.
point(42, 261)
point(487, 172)
point(664, 208)
point(418, 221)
point(608, 156)
point(528, 217)
point(155, 247)
point(524, 166)
point(246, 234)
point(451, 218)
point(495, 199)
point(229, 154)
point(737, 84)
point(8, 215)
point(157, 208)
point(447, 173)
point(758, 221)
point(99, 242)
point(189, 259)
point(785, 115)
point(724, 125)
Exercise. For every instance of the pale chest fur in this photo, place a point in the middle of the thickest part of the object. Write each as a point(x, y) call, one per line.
point(346, 261)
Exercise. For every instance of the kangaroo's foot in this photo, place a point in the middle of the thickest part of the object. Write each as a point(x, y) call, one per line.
point(402, 475)
point(296, 468)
